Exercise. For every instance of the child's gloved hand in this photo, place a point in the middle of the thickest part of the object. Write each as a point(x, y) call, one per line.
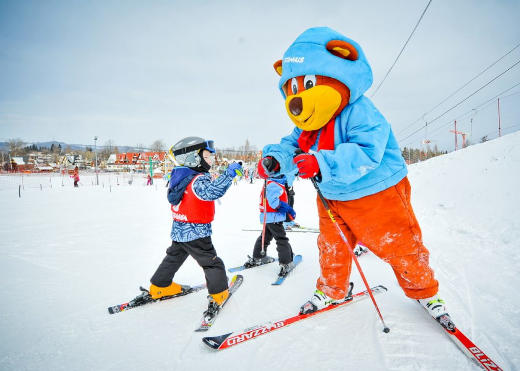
point(286, 208)
point(267, 167)
point(308, 166)
point(234, 169)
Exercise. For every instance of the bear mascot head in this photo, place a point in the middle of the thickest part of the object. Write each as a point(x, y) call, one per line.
point(320, 74)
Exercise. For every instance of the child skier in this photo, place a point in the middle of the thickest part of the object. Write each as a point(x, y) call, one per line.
point(192, 194)
point(275, 212)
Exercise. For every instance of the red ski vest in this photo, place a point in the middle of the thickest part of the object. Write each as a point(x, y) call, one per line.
point(193, 209)
point(283, 197)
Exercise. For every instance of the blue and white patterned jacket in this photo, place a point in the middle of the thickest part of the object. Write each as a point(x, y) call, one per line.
point(205, 188)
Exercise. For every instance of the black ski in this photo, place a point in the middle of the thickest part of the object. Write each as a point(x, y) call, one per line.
point(145, 298)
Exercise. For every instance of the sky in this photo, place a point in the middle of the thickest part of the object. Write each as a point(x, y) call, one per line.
point(133, 72)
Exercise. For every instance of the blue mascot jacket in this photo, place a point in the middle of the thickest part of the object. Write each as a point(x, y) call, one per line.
point(366, 158)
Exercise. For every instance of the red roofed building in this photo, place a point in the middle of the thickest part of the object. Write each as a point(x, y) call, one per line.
point(135, 160)
point(156, 156)
point(129, 158)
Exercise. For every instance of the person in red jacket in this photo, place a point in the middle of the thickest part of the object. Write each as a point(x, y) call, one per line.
point(75, 177)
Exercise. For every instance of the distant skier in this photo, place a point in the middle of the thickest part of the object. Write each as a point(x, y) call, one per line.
point(191, 194)
point(276, 211)
point(149, 181)
point(75, 177)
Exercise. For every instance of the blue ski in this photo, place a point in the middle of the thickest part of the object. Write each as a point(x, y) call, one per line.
point(266, 259)
point(296, 260)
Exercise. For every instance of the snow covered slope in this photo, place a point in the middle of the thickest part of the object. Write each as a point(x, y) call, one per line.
point(67, 254)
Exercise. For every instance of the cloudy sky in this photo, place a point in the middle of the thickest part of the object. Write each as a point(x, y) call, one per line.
point(136, 71)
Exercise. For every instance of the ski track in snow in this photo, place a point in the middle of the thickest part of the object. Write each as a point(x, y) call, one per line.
point(67, 254)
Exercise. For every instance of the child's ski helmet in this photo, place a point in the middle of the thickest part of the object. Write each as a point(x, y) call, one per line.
point(187, 151)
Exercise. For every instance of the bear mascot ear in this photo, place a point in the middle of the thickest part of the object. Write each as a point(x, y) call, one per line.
point(278, 67)
point(342, 49)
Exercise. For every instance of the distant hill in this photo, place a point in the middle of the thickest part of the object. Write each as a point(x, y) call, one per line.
point(4, 146)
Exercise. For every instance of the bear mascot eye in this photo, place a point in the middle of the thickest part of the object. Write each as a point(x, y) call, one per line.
point(309, 81)
point(294, 85)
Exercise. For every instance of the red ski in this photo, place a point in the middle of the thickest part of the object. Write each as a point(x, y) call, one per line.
point(234, 338)
point(466, 345)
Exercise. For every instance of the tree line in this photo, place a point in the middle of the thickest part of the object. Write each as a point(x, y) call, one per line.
point(16, 147)
point(413, 155)
point(246, 153)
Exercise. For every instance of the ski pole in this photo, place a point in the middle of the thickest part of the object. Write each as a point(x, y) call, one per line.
point(386, 329)
point(265, 217)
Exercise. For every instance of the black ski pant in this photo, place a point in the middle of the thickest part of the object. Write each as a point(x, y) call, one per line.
point(276, 231)
point(204, 253)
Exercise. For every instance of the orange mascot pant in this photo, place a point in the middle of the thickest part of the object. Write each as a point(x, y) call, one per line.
point(386, 224)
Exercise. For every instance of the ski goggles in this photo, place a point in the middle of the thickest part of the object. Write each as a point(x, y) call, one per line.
point(210, 146)
point(207, 145)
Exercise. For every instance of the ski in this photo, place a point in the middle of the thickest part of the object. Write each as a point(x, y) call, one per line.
point(466, 345)
point(265, 260)
point(288, 229)
point(235, 338)
point(296, 260)
point(145, 298)
point(209, 318)
point(300, 228)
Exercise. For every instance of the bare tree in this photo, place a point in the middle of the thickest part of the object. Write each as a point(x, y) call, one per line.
point(15, 146)
point(108, 149)
point(158, 146)
point(89, 155)
point(109, 145)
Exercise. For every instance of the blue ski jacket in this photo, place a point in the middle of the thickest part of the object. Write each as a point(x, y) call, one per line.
point(366, 158)
point(272, 195)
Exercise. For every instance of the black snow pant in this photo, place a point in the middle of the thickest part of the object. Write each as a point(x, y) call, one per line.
point(276, 231)
point(204, 253)
point(290, 200)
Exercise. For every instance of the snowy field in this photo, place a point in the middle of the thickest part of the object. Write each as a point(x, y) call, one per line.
point(67, 254)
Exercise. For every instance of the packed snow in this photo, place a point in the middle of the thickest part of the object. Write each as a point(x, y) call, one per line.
point(67, 254)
